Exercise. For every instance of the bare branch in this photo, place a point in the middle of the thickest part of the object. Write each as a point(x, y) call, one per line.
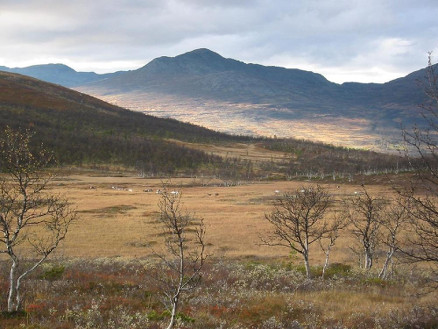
point(298, 220)
point(184, 238)
point(29, 217)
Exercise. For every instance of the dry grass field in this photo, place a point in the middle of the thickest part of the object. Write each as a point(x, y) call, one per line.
point(242, 151)
point(101, 276)
point(117, 217)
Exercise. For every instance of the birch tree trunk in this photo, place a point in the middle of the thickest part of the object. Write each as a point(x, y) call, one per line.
point(12, 286)
point(306, 263)
point(326, 263)
point(368, 259)
point(174, 312)
point(384, 272)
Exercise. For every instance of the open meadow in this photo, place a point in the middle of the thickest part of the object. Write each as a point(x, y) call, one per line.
point(102, 275)
point(117, 216)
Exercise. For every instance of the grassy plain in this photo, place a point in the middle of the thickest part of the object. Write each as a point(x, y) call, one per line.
point(117, 217)
point(101, 276)
point(240, 151)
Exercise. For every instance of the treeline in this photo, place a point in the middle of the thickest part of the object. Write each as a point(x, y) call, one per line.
point(79, 145)
point(319, 159)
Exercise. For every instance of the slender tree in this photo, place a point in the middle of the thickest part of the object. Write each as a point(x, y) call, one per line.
point(329, 241)
point(422, 151)
point(298, 220)
point(364, 213)
point(183, 260)
point(394, 220)
point(32, 221)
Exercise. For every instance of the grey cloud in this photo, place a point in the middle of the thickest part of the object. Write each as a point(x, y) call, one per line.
point(343, 34)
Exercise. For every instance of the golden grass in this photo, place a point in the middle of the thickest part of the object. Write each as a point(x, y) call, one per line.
point(251, 152)
point(338, 304)
point(119, 222)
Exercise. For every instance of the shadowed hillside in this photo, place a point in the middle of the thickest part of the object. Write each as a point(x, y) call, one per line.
point(227, 95)
point(204, 88)
point(83, 130)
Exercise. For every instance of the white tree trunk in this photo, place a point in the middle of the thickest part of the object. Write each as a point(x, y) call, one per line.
point(384, 272)
point(327, 258)
point(368, 259)
point(15, 284)
point(173, 314)
point(12, 286)
point(306, 263)
point(17, 294)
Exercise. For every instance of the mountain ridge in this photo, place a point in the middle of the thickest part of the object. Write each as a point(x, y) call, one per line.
point(236, 97)
point(203, 53)
point(228, 95)
point(58, 73)
point(202, 73)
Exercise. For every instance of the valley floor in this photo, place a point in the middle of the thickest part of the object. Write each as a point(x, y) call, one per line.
point(103, 274)
point(117, 214)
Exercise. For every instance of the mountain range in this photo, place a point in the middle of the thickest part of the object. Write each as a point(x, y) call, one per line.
point(224, 94)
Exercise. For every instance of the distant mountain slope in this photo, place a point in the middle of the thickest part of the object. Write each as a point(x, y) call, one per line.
point(228, 95)
point(58, 73)
point(203, 73)
point(82, 129)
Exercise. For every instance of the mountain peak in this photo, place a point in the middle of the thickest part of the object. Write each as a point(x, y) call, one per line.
point(201, 52)
point(198, 61)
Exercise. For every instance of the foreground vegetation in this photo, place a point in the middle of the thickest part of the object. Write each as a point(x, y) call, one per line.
point(234, 292)
point(245, 293)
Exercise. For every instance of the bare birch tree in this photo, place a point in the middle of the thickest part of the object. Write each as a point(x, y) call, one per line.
point(364, 213)
point(32, 221)
point(298, 220)
point(328, 242)
point(184, 257)
point(394, 221)
point(422, 150)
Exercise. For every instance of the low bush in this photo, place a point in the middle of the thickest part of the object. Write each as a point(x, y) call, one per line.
point(114, 293)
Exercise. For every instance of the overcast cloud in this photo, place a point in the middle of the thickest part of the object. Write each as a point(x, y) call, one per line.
point(345, 40)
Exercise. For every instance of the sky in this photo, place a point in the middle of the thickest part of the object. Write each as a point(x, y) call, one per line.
point(345, 40)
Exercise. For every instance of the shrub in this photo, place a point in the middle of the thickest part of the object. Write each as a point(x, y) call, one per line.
point(338, 270)
point(54, 273)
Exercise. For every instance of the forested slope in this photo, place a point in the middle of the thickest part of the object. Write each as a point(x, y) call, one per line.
point(83, 130)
